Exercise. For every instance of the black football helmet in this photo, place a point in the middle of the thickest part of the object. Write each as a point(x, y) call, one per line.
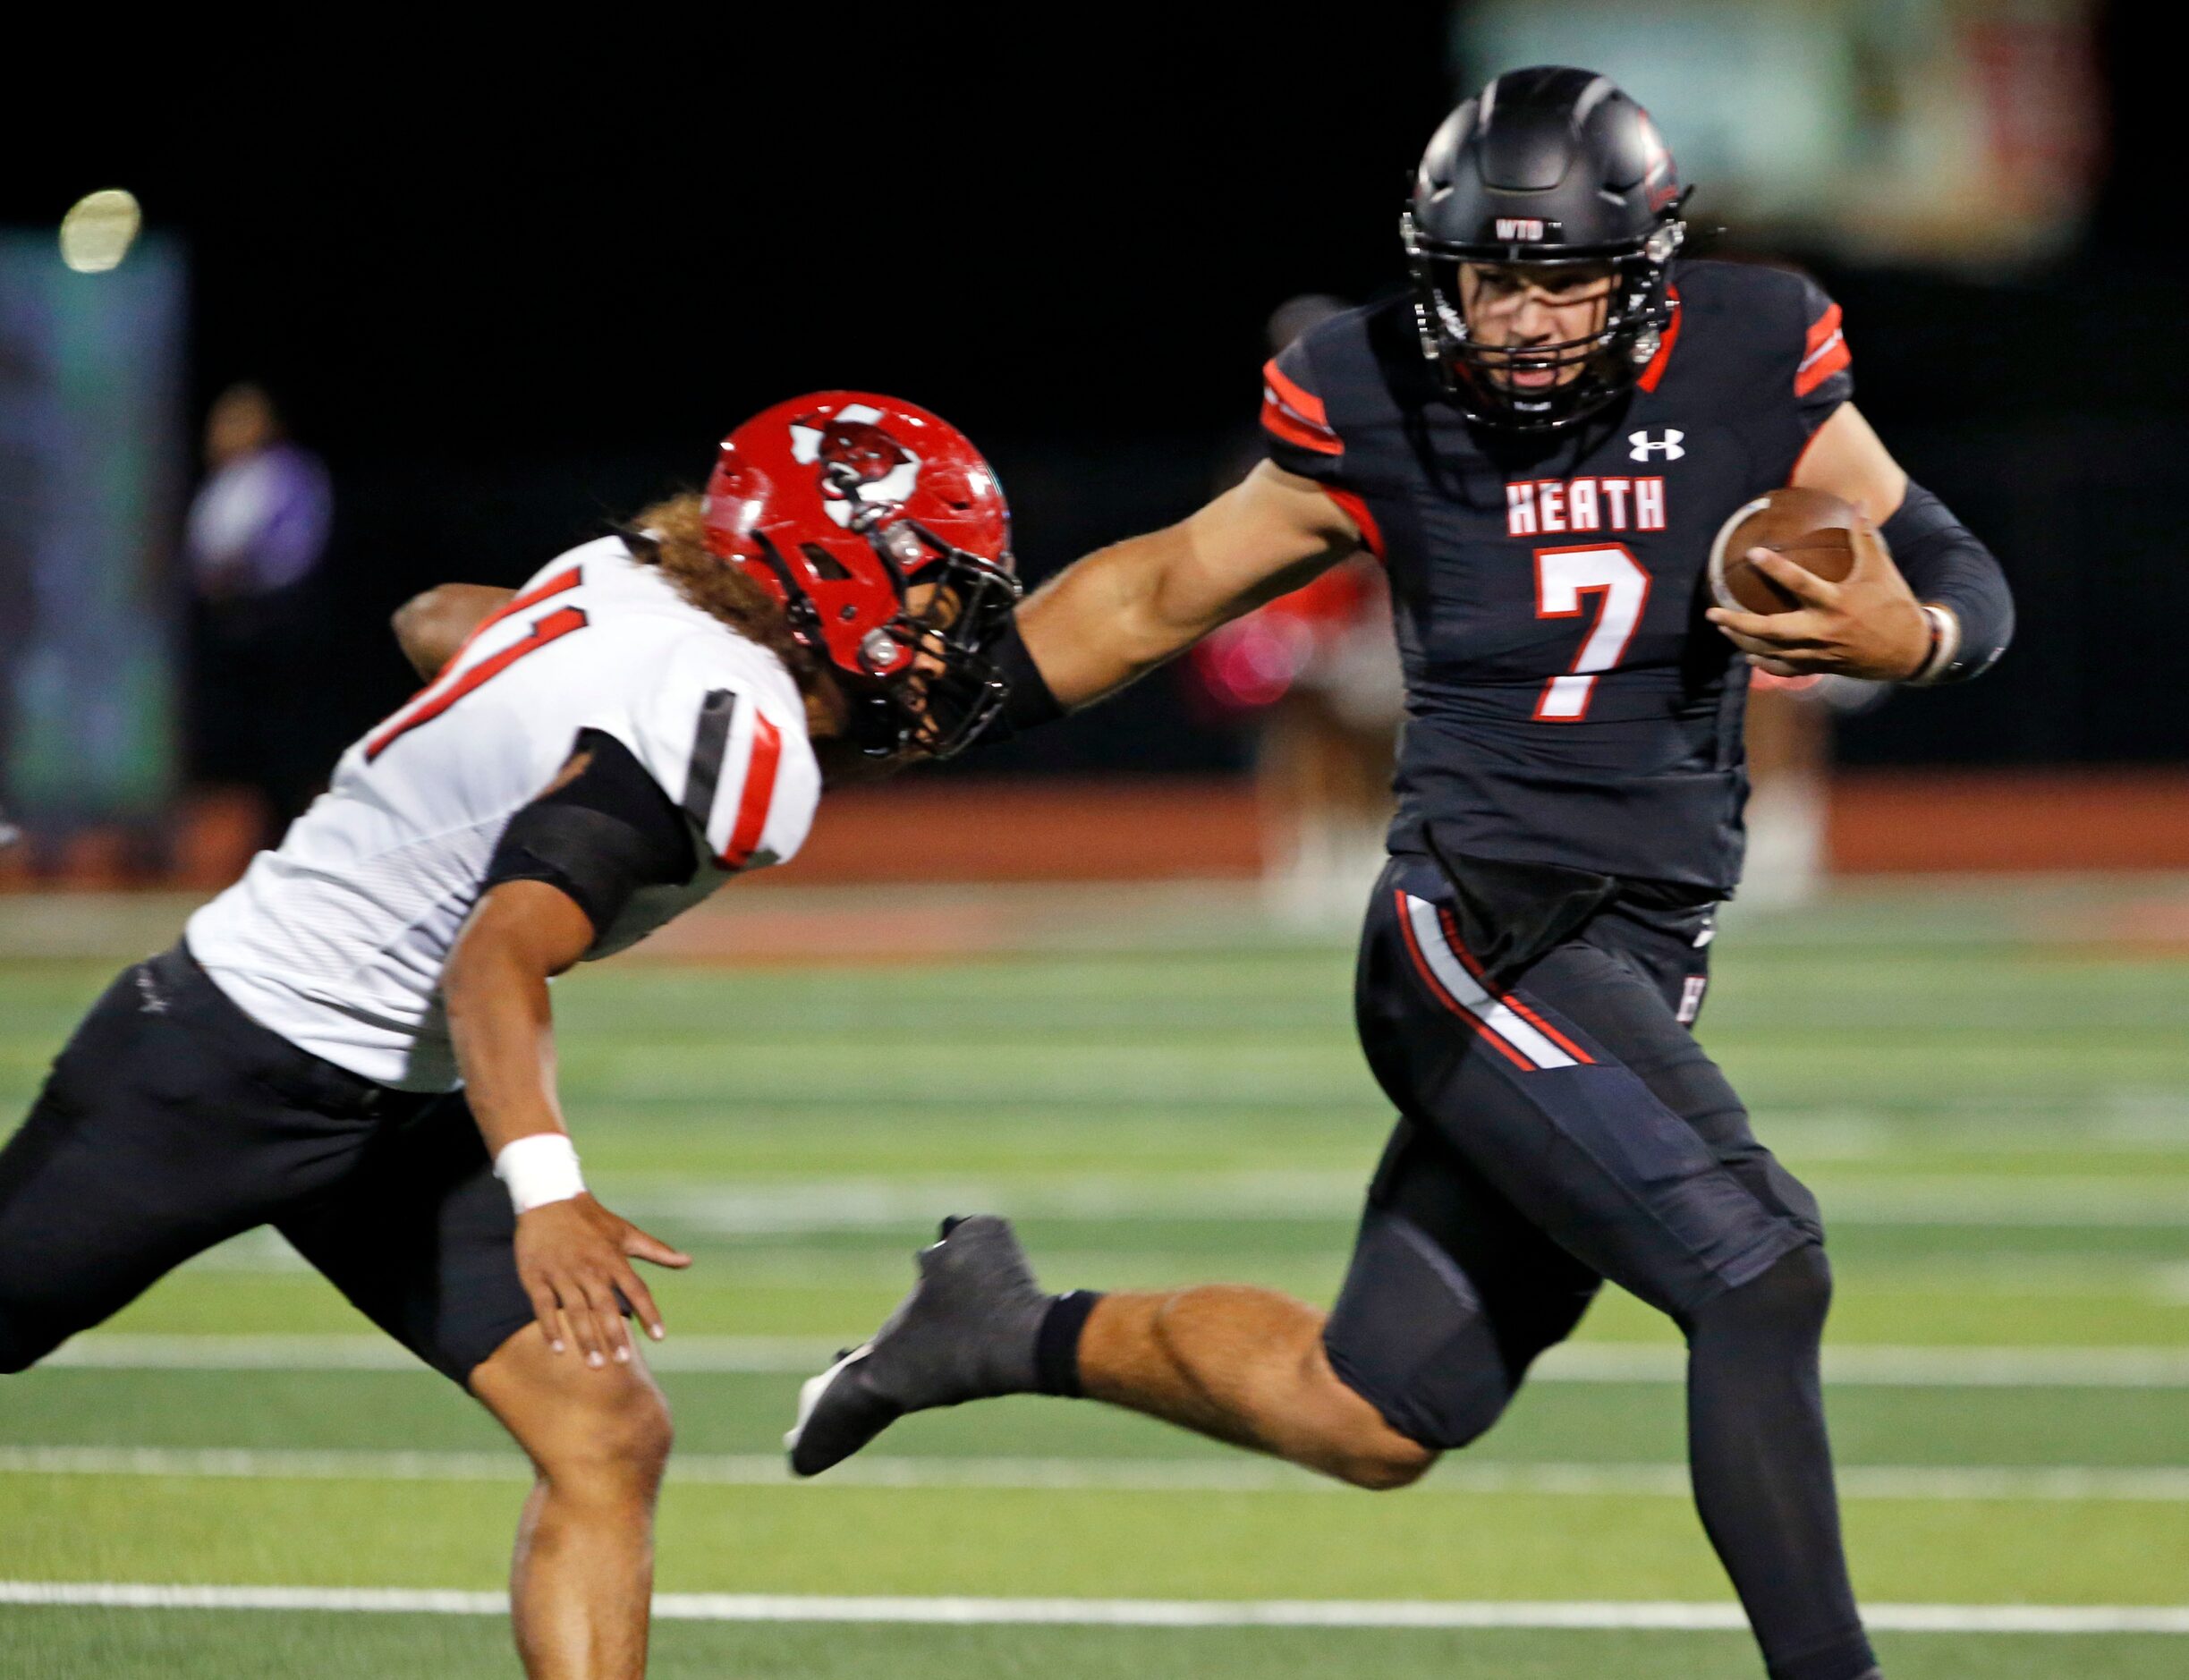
point(1545, 167)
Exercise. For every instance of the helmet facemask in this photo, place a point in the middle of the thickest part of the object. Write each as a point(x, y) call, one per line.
point(933, 684)
point(1637, 313)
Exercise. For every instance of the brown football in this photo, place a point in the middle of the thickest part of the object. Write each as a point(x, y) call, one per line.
point(1815, 529)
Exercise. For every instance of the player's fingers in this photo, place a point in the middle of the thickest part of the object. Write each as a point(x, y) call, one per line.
point(1750, 643)
point(1797, 581)
point(579, 1314)
point(1814, 655)
point(1737, 623)
point(639, 1244)
point(641, 1301)
point(549, 1313)
point(1777, 668)
point(611, 1335)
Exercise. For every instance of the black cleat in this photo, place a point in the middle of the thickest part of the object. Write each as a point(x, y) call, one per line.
point(966, 1332)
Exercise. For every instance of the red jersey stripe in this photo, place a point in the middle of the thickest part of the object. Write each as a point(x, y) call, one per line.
point(1820, 332)
point(1451, 938)
point(1437, 990)
point(1295, 395)
point(1831, 358)
point(1282, 422)
point(1358, 509)
point(758, 794)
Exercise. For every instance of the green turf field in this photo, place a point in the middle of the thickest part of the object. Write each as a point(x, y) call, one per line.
point(1992, 1102)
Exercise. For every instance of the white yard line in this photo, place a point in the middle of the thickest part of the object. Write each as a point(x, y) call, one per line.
point(2044, 1483)
point(1853, 1366)
point(728, 1607)
point(781, 1355)
point(746, 1209)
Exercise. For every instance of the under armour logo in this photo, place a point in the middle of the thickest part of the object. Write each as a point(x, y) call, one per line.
point(1644, 447)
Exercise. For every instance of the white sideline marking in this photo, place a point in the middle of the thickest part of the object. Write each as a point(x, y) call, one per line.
point(733, 1606)
point(1866, 1366)
point(2166, 1485)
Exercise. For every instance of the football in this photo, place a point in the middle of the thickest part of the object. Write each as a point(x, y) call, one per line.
point(1815, 529)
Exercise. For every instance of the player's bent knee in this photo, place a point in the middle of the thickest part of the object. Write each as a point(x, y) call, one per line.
point(1409, 1337)
point(1789, 1301)
point(619, 1450)
point(600, 1433)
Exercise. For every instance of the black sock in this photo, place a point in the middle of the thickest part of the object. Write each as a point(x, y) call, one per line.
point(1763, 1468)
point(1056, 1345)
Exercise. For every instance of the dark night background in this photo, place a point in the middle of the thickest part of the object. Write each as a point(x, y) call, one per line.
point(511, 301)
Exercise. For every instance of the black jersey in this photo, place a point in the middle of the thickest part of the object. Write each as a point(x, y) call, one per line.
point(1567, 702)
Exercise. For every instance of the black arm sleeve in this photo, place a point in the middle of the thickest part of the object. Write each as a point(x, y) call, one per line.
point(1944, 563)
point(1031, 702)
point(599, 837)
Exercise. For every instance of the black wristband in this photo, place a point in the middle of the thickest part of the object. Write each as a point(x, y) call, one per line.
point(1031, 700)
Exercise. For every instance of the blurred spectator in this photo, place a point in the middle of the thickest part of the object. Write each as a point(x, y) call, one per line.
point(257, 533)
point(1317, 671)
point(1789, 773)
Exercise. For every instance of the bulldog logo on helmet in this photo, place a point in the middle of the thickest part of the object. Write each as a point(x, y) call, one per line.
point(864, 470)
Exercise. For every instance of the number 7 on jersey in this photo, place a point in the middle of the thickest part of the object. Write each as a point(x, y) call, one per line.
point(1563, 577)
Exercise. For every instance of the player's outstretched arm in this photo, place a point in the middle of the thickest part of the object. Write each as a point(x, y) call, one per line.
point(429, 627)
point(573, 1254)
point(1125, 609)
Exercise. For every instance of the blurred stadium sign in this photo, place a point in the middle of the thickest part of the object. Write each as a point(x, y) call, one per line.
point(90, 367)
point(1952, 131)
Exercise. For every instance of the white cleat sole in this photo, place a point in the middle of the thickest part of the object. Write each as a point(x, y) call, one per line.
point(810, 1393)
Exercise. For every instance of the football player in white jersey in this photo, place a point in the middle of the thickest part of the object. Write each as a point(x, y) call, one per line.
point(354, 1042)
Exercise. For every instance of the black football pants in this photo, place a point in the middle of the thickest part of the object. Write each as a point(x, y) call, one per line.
point(172, 1120)
point(1565, 1130)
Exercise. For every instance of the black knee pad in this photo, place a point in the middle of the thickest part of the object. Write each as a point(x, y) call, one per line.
point(1408, 1334)
point(1787, 1301)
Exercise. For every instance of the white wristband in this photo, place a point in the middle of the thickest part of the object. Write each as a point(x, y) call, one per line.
point(539, 1170)
point(1945, 644)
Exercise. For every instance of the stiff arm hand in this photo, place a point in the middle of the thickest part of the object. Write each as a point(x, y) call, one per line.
point(573, 1255)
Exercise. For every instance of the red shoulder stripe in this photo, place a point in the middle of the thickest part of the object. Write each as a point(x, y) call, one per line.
point(1823, 354)
point(1280, 421)
point(758, 794)
point(1295, 395)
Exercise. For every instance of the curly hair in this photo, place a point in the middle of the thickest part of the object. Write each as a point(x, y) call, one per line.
point(671, 535)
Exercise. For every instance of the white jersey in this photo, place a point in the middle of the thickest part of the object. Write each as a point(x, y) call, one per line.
point(337, 941)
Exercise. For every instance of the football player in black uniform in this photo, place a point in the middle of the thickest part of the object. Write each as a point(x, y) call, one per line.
point(1540, 443)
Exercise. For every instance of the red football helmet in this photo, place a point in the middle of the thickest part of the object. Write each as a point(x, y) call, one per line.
point(841, 504)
